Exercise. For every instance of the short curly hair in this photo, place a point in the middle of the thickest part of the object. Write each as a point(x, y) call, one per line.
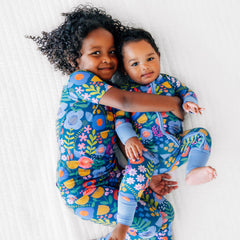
point(62, 45)
point(134, 35)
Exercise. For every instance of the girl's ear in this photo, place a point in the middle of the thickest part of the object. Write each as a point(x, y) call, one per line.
point(159, 54)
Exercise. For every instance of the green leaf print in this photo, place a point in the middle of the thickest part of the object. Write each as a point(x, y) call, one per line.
point(91, 143)
point(69, 140)
point(94, 90)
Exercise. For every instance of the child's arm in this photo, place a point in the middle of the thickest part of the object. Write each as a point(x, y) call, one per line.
point(141, 102)
point(189, 98)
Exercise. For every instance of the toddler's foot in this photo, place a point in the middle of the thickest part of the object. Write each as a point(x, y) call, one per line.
point(201, 175)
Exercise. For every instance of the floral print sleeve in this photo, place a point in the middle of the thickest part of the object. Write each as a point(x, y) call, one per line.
point(181, 90)
point(86, 86)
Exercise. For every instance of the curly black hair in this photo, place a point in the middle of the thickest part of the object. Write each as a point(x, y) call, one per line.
point(134, 35)
point(62, 45)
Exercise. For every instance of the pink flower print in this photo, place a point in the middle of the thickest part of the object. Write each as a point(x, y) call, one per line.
point(64, 158)
point(81, 146)
point(138, 187)
point(62, 149)
point(94, 100)
point(87, 128)
point(86, 96)
point(130, 180)
point(140, 178)
point(61, 141)
point(132, 172)
point(81, 152)
point(79, 89)
point(83, 137)
point(142, 169)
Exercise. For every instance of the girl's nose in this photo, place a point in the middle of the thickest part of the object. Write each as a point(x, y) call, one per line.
point(106, 59)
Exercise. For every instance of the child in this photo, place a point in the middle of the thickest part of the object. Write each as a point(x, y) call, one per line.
point(160, 133)
point(88, 176)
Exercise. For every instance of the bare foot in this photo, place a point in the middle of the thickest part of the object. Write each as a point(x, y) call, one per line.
point(200, 175)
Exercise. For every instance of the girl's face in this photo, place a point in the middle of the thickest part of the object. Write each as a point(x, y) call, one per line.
point(98, 54)
point(141, 62)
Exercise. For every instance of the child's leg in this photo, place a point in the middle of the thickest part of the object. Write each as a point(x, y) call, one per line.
point(137, 177)
point(195, 147)
point(152, 220)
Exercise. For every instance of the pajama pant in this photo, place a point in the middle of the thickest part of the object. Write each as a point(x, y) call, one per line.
point(97, 201)
point(194, 147)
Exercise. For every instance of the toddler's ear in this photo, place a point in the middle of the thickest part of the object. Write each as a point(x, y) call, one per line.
point(159, 54)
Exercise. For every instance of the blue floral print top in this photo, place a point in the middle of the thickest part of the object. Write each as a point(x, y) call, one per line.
point(147, 124)
point(85, 131)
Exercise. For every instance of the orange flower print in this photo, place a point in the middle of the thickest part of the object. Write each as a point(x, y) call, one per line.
point(85, 162)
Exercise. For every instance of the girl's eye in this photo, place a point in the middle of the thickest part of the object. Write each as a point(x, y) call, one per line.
point(112, 52)
point(95, 53)
point(134, 64)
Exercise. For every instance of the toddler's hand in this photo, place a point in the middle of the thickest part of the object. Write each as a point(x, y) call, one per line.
point(192, 108)
point(134, 148)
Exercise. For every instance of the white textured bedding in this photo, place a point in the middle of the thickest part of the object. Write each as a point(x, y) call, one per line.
point(199, 44)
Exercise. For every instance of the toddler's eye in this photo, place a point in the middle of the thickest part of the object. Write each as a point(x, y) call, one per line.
point(150, 59)
point(134, 64)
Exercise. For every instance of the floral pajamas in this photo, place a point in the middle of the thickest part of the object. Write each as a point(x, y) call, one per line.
point(88, 176)
point(161, 133)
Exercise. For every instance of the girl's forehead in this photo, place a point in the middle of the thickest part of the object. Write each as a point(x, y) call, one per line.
point(99, 36)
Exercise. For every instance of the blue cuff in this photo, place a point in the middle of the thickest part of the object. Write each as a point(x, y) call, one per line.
point(190, 99)
point(197, 158)
point(125, 131)
point(126, 209)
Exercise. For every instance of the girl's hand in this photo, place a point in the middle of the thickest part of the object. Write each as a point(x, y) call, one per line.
point(134, 148)
point(161, 184)
point(119, 232)
point(192, 108)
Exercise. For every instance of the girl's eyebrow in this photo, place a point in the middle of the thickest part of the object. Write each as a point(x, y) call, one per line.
point(100, 47)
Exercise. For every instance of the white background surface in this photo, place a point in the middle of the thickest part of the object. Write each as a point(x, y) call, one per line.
point(199, 43)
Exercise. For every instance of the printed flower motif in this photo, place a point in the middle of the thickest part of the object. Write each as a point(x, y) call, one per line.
point(83, 137)
point(79, 78)
point(73, 120)
point(61, 110)
point(142, 169)
point(85, 213)
point(100, 150)
point(138, 186)
point(81, 146)
point(87, 129)
point(130, 180)
point(140, 178)
point(146, 134)
point(132, 172)
point(71, 199)
point(62, 174)
point(99, 122)
point(79, 89)
point(85, 162)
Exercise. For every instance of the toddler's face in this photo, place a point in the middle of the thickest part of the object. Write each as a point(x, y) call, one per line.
point(141, 62)
point(98, 54)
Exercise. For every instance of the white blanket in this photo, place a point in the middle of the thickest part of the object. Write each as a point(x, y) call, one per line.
point(199, 44)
